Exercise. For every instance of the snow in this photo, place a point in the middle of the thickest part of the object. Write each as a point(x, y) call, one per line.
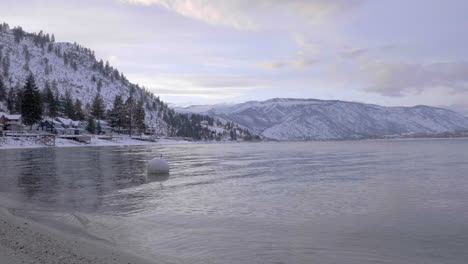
point(10, 117)
point(311, 119)
point(49, 66)
point(67, 121)
point(79, 83)
point(11, 143)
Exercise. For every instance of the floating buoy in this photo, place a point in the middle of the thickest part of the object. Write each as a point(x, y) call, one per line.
point(158, 166)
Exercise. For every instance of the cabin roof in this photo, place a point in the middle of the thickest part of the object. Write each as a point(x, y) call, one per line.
point(10, 117)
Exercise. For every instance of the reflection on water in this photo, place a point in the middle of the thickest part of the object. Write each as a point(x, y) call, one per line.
point(70, 179)
point(318, 202)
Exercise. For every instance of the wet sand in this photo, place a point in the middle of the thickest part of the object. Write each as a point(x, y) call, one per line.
point(26, 242)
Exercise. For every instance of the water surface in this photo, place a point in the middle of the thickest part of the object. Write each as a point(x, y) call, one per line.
point(400, 201)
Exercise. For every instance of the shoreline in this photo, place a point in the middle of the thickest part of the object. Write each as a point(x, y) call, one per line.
point(67, 143)
point(28, 242)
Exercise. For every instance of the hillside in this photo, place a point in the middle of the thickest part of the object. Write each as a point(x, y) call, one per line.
point(71, 68)
point(310, 119)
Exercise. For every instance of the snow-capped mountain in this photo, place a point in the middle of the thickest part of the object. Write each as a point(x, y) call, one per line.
point(311, 119)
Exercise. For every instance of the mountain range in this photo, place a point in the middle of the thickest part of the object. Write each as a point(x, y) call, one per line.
point(73, 69)
point(311, 119)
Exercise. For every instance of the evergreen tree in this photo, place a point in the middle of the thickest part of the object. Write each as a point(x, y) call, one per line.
point(129, 109)
point(140, 117)
point(98, 109)
point(6, 65)
point(233, 134)
point(31, 104)
point(19, 99)
point(67, 107)
point(11, 100)
point(50, 101)
point(91, 128)
point(3, 94)
point(117, 114)
point(79, 114)
point(99, 85)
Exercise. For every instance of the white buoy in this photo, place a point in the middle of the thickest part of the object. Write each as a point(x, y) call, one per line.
point(158, 166)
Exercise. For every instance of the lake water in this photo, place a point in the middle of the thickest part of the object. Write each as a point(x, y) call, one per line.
point(395, 201)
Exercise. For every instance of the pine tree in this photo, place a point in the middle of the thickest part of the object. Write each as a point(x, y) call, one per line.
point(66, 103)
point(79, 114)
point(91, 128)
point(99, 85)
point(50, 101)
point(19, 99)
point(11, 100)
point(117, 114)
point(31, 104)
point(140, 117)
point(98, 109)
point(3, 93)
point(129, 121)
point(6, 65)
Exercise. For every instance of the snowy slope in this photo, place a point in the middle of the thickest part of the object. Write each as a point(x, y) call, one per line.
point(83, 81)
point(310, 119)
point(71, 68)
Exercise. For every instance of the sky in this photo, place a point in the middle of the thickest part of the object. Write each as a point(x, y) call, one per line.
point(388, 52)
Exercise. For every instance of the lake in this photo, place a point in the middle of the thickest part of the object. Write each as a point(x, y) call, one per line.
point(388, 201)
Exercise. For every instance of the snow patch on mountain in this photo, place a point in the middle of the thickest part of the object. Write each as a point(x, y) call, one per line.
point(312, 119)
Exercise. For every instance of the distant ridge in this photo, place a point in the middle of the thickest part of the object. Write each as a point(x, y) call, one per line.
point(313, 119)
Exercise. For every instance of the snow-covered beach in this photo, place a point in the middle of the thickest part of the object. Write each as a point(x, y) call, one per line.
point(12, 143)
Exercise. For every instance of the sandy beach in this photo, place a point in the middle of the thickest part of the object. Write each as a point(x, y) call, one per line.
point(27, 242)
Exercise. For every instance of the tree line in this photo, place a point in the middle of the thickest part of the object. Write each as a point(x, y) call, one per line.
point(34, 105)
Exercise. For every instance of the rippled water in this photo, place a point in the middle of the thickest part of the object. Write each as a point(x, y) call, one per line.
point(401, 201)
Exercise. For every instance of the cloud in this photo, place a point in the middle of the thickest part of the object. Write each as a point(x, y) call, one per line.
point(307, 54)
point(400, 79)
point(113, 59)
point(251, 15)
point(353, 54)
point(459, 108)
point(272, 65)
point(296, 62)
point(303, 63)
point(203, 86)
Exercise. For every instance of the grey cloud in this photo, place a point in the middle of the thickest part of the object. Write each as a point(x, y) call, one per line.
point(303, 63)
point(186, 92)
point(247, 14)
point(272, 65)
point(399, 79)
point(353, 54)
point(224, 81)
point(459, 108)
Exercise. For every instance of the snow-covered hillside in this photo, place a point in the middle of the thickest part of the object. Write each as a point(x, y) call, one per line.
point(310, 119)
point(72, 69)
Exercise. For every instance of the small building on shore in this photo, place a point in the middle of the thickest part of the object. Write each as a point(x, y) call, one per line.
point(69, 126)
point(13, 123)
point(61, 126)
